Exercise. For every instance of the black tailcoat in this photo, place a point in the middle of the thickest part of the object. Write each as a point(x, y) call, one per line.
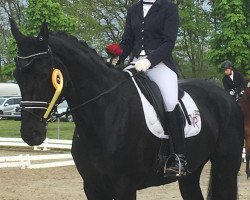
point(238, 83)
point(156, 33)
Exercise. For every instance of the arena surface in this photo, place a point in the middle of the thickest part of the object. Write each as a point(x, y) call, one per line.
point(65, 183)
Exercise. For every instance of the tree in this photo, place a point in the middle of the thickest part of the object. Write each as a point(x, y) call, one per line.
point(36, 12)
point(39, 11)
point(100, 21)
point(231, 35)
point(8, 8)
point(192, 43)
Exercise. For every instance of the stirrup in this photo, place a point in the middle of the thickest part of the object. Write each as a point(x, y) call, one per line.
point(180, 172)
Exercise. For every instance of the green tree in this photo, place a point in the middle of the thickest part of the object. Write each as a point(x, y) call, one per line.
point(100, 21)
point(192, 44)
point(231, 35)
point(51, 12)
point(8, 8)
point(36, 12)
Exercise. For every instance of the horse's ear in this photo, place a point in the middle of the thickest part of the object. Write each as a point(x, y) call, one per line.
point(44, 32)
point(15, 31)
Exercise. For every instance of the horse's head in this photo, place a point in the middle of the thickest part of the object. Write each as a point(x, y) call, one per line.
point(38, 80)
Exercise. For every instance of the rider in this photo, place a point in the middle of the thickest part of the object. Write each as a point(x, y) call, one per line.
point(150, 33)
point(233, 81)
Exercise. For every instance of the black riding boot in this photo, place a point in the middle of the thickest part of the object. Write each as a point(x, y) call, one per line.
point(175, 125)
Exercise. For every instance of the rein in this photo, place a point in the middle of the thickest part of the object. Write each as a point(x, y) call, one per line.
point(98, 96)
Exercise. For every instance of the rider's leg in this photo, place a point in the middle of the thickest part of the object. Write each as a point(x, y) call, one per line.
point(167, 81)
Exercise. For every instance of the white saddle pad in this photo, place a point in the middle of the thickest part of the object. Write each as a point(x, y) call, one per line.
point(154, 124)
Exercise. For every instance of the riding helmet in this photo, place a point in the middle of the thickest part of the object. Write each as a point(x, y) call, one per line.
point(226, 64)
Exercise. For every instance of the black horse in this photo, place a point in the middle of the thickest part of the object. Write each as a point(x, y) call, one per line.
point(112, 147)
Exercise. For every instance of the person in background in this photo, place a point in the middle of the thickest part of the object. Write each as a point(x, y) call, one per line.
point(233, 81)
point(150, 34)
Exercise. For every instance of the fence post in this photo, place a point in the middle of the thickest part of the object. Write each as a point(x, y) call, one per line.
point(22, 161)
point(45, 145)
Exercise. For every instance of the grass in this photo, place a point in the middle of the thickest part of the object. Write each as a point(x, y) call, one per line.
point(11, 128)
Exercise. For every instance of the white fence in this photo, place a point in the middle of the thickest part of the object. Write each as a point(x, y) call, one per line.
point(30, 161)
point(48, 143)
point(26, 161)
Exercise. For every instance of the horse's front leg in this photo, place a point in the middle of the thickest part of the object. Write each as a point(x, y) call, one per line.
point(124, 190)
point(93, 191)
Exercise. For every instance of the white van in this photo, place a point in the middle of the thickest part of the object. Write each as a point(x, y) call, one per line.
point(9, 90)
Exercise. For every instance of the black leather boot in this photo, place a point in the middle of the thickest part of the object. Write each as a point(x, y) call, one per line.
point(176, 165)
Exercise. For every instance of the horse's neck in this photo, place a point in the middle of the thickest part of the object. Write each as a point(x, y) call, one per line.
point(89, 77)
point(88, 80)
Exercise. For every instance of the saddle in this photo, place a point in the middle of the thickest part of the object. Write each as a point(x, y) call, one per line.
point(152, 93)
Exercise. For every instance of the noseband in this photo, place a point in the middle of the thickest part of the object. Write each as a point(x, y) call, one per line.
point(57, 81)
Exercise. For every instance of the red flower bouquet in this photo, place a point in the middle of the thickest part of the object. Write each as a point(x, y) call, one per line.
point(114, 49)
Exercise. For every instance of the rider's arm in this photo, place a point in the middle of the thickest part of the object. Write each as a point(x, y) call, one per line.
point(225, 85)
point(243, 81)
point(170, 35)
point(127, 38)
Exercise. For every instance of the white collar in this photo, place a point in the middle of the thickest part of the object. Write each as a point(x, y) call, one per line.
point(232, 75)
point(149, 1)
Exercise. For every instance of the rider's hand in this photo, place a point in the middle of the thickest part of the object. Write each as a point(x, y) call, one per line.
point(142, 65)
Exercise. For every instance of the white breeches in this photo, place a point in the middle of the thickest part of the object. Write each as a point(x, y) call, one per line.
point(167, 81)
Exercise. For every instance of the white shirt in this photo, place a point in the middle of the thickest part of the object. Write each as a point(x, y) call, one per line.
point(232, 75)
point(146, 7)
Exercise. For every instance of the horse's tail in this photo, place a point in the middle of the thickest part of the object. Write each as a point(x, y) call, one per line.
point(219, 187)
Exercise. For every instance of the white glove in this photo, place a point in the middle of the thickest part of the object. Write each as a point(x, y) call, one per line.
point(142, 65)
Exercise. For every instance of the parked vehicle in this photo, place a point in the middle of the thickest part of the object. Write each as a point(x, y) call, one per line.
point(9, 90)
point(63, 107)
point(8, 105)
point(16, 114)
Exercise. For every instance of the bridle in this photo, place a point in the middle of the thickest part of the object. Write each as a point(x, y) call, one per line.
point(57, 81)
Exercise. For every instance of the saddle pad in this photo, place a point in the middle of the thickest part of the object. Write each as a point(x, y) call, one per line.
point(153, 122)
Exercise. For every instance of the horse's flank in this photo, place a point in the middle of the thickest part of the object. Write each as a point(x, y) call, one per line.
point(245, 106)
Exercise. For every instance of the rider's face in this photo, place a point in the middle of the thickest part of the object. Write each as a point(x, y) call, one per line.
point(228, 71)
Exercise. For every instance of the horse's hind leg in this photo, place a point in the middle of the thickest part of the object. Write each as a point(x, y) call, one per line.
point(223, 177)
point(190, 186)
